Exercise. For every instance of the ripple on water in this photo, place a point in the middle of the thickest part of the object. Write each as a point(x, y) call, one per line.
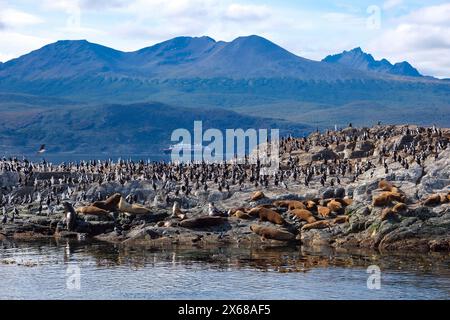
point(111, 272)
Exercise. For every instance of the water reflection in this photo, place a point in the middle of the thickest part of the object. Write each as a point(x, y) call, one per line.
point(37, 270)
point(282, 259)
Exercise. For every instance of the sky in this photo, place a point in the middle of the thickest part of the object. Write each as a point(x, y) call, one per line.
point(399, 30)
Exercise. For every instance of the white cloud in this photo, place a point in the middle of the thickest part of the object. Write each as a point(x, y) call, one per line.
point(12, 18)
point(237, 11)
point(422, 38)
point(389, 4)
point(19, 44)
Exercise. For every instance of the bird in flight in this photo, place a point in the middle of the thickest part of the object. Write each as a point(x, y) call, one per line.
point(42, 149)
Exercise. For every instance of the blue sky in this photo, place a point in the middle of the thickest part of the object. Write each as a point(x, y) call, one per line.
point(416, 31)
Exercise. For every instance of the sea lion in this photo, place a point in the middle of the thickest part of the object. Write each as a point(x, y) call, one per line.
point(310, 205)
point(341, 219)
point(272, 233)
point(381, 200)
point(343, 202)
point(270, 215)
point(132, 208)
point(232, 211)
point(202, 222)
point(385, 185)
point(386, 198)
point(241, 215)
point(71, 216)
point(303, 214)
point(323, 211)
point(387, 213)
point(290, 204)
point(432, 200)
point(399, 207)
point(109, 204)
point(335, 206)
point(347, 201)
point(316, 225)
point(257, 195)
point(91, 210)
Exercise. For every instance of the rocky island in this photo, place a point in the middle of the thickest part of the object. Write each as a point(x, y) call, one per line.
point(386, 188)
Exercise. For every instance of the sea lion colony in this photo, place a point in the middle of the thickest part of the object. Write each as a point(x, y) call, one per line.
point(321, 171)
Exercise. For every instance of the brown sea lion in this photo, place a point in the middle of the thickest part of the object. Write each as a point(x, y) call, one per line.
point(91, 210)
point(317, 225)
point(257, 195)
point(399, 207)
point(202, 222)
point(323, 211)
point(343, 202)
point(385, 185)
point(432, 200)
point(232, 211)
point(241, 215)
point(397, 196)
point(290, 204)
point(310, 205)
point(132, 208)
point(271, 216)
point(341, 219)
point(347, 201)
point(387, 213)
point(109, 204)
point(334, 206)
point(444, 198)
point(272, 233)
point(385, 198)
point(303, 214)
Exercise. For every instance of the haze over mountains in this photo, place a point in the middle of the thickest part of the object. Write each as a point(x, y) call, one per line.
point(249, 75)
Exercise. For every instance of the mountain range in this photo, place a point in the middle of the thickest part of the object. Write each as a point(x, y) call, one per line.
point(254, 79)
point(359, 60)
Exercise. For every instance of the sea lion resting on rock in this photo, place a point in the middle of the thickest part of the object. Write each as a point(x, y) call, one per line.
point(310, 205)
point(272, 233)
point(341, 219)
point(388, 213)
point(385, 185)
point(257, 195)
point(241, 215)
point(267, 215)
point(334, 206)
point(399, 207)
point(290, 204)
point(323, 211)
point(91, 210)
point(386, 198)
point(303, 214)
point(435, 199)
point(109, 204)
point(132, 208)
point(317, 225)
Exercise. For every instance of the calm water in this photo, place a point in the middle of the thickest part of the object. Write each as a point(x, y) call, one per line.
point(42, 271)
